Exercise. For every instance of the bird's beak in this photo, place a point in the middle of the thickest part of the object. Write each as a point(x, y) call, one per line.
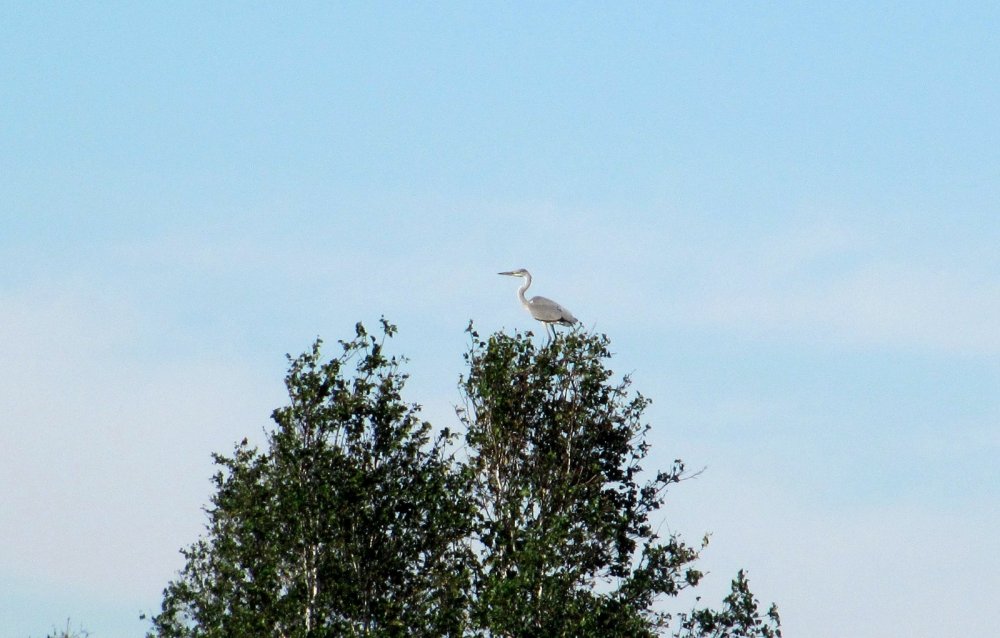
point(505, 273)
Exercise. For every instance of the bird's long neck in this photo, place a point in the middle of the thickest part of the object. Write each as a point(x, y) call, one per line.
point(524, 286)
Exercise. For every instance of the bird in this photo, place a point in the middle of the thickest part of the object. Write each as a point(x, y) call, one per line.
point(542, 309)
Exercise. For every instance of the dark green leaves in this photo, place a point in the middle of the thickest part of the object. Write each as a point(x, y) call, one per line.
point(357, 520)
point(555, 450)
point(350, 523)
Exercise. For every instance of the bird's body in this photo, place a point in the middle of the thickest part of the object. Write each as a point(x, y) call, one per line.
point(541, 308)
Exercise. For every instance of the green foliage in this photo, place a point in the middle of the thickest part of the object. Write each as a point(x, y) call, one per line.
point(739, 617)
point(68, 632)
point(564, 521)
point(356, 521)
point(350, 524)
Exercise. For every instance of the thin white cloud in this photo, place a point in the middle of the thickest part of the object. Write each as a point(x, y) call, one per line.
point(104, 456)
point(123, 440)
point(880, 305)
point(834, 284)
point(848, 282)
point(864, 570)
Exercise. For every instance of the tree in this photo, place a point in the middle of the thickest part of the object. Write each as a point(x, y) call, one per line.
point(564, 523)
point(351, 523)
point(356, 521)
point(68, 632)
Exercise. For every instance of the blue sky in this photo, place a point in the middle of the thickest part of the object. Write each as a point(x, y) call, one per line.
point(785, 216)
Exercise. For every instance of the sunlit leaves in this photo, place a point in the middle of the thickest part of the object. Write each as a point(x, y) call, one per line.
point(357, 520)
point(351, 522)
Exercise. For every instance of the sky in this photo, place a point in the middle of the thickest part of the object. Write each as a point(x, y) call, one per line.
point(784, 215)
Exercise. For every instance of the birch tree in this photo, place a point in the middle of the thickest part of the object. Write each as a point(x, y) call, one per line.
point(566, 522)
point(357, 521)
point(350, 523)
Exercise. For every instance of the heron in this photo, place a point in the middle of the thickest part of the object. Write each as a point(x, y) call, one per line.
point(542, 309)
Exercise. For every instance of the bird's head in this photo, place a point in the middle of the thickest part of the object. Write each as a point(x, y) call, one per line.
point(520, 272)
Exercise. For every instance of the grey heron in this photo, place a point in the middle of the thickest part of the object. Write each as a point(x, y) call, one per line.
point(542, 309)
